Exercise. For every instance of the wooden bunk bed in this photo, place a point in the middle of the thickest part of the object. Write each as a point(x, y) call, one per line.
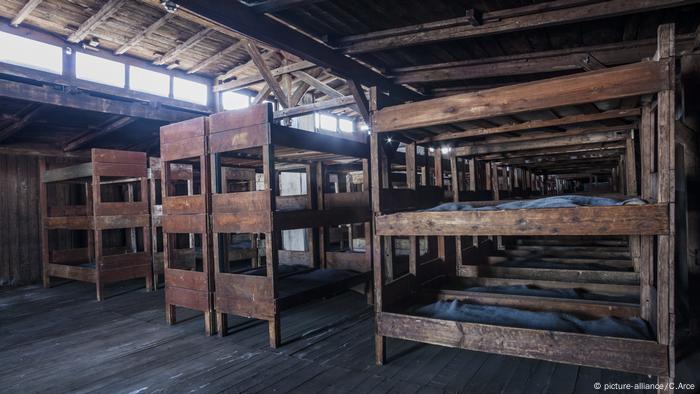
point(248, 139)
point(183, 177)
point(95, 219)
point(185, 220)
point(461, 248)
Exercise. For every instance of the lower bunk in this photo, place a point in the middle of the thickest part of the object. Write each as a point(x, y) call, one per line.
point(576, 300)
point(253, 293)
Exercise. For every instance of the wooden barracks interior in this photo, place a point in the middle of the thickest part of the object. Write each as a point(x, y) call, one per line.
point(430, 196)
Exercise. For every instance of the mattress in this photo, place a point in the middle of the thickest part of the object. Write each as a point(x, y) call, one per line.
point(568, 201)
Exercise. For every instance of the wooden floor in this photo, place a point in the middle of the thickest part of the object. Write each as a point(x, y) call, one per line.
point(61, 340)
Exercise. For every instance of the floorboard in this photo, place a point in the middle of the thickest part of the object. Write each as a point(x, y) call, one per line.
point(62, 340)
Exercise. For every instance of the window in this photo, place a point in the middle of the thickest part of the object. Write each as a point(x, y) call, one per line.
point(328, 122)
point(232, 100)
point(148, 81)
point(184, 89)
point(346, 125)
point(100, 70)
point(29, 53)
point(363, 127)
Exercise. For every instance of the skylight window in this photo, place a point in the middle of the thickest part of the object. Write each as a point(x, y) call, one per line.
point(194, 92)
point(346, 125)
point(100, 70)
point(148, 81)
point(328, 122)
point(232, 100)
point(29, 53)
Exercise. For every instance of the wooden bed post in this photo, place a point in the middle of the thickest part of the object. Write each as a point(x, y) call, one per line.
point(323, 233)
point(666, 194)
point(439, 182)
point(377, 261)
point(43, 213)
point(96, 200)
point(411, 183)
point(150, 282)
point(272, 241)
point(631, 189)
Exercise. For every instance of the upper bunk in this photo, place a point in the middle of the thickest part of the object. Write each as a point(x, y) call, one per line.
point(620, 116)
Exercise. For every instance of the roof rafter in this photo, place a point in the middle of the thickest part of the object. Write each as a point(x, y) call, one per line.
point(27, 9)
point(23, 119)
point(144, 34)
point(113, 124)
point(175, 52)
point(318, 85)
point(206, 62)
point(264, 70)
point(102, 15)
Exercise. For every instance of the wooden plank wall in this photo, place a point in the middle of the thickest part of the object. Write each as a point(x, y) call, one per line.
point(20, 243)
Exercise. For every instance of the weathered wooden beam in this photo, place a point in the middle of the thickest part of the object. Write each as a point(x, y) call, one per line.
point(617, 82)
point(262, 95)
point(318, 85)
point(22, 120)
point(89, 136)
point(175, 52)
point(133, 41)
point(345, 101)
point(27, 9)
point(245, 82)
point(579, 13)
point(102, 15)
point(280, 5)
point(362, 103)
point(240, 18)
point(75, 84)
point(42, 150)
point(85, 101)
point(264, 70)
point(576, 139)
point(206, 62)
point(572, 59)
point(535, 124)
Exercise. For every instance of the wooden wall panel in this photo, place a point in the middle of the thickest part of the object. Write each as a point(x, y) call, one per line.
point(20, 244)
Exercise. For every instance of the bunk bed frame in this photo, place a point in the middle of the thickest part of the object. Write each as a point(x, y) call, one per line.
point(183, 146)
point(95, 263)
point(650, 227)
point(179, 173)
point(249, 138)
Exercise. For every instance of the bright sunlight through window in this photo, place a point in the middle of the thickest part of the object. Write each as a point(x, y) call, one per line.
point(194, 92)
point(148, 81)
point(233, 100)
point(346, 125)
point(29, 53)
point(328, 122)
point(100, 70)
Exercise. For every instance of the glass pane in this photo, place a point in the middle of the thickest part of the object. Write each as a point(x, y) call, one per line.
point(29, 53)
point(148, 81)
point(328, 122)
point(233, 100)
point(346, 125)
point(100, 70)
point(195, 92)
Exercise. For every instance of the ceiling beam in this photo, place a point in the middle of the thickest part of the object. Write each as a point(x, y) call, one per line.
point(144, 34)
point(534, 124)
point(245, 82)
point(29, 6)
point(318, 85)
point(232, 72)
point(264, 70)
point(611, 83)
point(23, 119)
point(239, 17)
point(73, 98)
point(206, 62)
point(573, 59)
point(262, 95)
point(102, 15)
point(179, 49)
point(280, 5)
point(378, 41)
point(111, 126)
point(341, 102)
point(575, 140)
